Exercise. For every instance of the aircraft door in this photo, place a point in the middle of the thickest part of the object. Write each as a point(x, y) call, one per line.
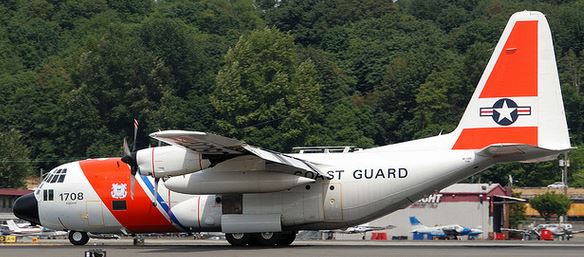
point(333, 202)
point(94, 213)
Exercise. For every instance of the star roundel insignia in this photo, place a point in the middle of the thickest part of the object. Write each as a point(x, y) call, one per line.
point(505, 111)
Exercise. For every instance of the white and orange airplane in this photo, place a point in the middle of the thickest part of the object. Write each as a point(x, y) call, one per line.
point(257, 196)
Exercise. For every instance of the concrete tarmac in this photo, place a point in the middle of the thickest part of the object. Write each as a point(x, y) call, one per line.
point(183, 247)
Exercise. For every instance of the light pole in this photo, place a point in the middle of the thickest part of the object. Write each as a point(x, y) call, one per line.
point(565, 163)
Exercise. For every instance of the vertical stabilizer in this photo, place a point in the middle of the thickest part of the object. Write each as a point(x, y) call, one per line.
point(518, 98)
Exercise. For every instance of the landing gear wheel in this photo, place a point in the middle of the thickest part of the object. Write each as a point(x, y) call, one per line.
point(266, 238)
point(286, 238)
point(238, 239)
point(78, 238)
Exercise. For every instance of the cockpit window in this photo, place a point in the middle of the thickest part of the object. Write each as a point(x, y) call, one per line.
point(56, 176)
point(62, 176)
point(49, 177)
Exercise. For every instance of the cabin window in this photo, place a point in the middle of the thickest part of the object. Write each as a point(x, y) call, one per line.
point(119, 205)
point(48, 195)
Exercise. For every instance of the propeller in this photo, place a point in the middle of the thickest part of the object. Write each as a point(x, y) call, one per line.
point(130, 158)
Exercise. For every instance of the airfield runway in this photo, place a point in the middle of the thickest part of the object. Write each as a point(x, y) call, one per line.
point(182, 247)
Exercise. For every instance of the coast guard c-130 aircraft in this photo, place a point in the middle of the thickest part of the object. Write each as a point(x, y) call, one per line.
point(258, 196)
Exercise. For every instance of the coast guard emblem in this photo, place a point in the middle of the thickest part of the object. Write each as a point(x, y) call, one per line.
point(119, 191)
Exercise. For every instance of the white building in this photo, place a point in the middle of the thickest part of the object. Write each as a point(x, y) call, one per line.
point(470, 205)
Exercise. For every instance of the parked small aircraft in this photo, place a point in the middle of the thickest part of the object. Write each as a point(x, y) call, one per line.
point(14, 229)
point(360, 229)
point(564, 231)
point(444, 231)
point(213, 183)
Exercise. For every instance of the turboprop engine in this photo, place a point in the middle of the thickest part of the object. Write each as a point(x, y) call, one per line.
point(225, 182)
point(169, 161)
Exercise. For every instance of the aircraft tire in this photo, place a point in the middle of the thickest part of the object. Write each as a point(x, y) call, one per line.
point(239, 239)
point(286, 238)
point(266, 238)
point(78, 238)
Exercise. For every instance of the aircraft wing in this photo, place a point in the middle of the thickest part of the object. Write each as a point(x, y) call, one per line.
point(215, 146)
point(374, 228)
point(450, 232)
point(359, 229)
point(514, 230)
point(576, 231)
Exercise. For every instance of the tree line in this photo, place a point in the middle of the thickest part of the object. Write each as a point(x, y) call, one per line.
point(275, 73)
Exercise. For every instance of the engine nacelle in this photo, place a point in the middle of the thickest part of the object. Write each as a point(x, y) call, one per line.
point(226, 182)
point(168, 161)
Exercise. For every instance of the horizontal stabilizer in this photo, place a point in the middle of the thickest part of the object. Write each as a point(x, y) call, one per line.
point(520, 152)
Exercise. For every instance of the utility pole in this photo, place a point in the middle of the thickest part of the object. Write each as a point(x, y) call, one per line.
point(565, 163)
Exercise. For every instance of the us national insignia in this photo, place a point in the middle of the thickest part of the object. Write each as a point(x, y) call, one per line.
point(505, 111)
point(119, 190)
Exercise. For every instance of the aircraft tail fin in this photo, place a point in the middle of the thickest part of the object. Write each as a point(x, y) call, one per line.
point(12, 226)
point(518, 98)
point(414, 221)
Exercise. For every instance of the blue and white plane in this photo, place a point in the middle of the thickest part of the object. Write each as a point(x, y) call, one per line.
point(445, 231)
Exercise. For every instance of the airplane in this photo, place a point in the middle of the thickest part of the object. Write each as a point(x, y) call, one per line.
point(359, 229)
point(563, 231)
point(23, 224)
point(363, 228)
point(212, 183)
point(444, 231)
point(14, 229)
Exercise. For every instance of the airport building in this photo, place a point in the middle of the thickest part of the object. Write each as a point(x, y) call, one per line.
point(7, 198)
point(483, 206)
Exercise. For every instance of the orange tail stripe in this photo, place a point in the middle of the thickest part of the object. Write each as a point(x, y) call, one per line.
point(515, 72)
point(478, 138)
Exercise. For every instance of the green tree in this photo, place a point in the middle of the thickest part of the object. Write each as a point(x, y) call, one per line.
point(310, 20)
point(15, 164)
point(550, 204)
point(264, 94)
point(349, 124)
point(516, 212)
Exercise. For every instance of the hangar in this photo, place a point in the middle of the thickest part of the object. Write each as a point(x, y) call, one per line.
point(483, 206)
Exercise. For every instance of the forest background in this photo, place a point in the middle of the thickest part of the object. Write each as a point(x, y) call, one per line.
point(275, 73)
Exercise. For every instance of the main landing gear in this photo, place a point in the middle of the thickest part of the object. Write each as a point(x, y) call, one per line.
point(261, 239)
point(78, 238)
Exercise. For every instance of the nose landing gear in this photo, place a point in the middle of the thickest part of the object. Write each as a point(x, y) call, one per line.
point(78, 238)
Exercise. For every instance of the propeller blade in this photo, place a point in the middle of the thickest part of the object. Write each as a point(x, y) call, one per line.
point(135, 133)
point(126, 148)
point(155, 191)
point(132, 182)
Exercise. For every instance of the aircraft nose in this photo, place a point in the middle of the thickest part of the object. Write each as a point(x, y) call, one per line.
point(26, 207)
